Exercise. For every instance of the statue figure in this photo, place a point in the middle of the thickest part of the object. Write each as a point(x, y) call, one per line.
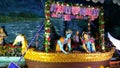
point(77, 41)
point(88, 43)
point(21, 38)
point(64, 40)
point(2, 36)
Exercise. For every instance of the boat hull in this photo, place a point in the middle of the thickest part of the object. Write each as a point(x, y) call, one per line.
point(36, 59)
point(38, 64)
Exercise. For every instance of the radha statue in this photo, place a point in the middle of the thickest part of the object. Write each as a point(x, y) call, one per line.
point(88, 43)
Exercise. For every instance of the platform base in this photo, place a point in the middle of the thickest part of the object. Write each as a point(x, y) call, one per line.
point(38, 64)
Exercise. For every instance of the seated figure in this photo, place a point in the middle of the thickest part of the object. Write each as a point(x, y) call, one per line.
point(2, 36)
point(88, 43)
point(64, 40)
point(77, 41)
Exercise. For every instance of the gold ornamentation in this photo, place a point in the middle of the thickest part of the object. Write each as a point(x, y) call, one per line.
point(71, 57)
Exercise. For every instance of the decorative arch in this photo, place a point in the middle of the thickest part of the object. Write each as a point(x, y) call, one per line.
point(68, 12)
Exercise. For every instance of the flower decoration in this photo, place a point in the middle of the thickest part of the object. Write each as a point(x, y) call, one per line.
point(67, 9)
point(75, 10)
point(52, 8)
point(67, 17)
point(71, 12)
point(101, 29)
point(68, 12)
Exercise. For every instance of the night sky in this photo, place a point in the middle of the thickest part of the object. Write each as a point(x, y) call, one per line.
point(112, 11)
point(17, 6)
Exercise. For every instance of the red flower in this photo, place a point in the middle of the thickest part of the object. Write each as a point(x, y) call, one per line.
point(98, 47)
point(47, 18)
point(65, 4)
point(48, 31)
point(47, 14)
point(48, 39)
point(102, 26)
point(12, 46)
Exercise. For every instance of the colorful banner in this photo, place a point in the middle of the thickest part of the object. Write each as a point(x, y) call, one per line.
point(73, 12)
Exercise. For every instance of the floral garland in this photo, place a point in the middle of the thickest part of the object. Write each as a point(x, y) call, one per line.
point(62, 10)
point(47, 26)
point(101, 29)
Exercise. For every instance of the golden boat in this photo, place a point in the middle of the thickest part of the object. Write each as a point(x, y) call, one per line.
point(36, 59)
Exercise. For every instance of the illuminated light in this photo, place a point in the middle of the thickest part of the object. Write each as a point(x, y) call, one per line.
point(48, 20)
point(67, 4)
point(81, 4)
point(57, 2)
point(46, 5)
point(93, 8)
point(89, 6)
point(102, 13)
point(46, 28)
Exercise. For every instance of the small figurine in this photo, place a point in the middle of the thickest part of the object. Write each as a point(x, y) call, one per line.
point(2, 36)
point(88, 43)
point(21, 38)
point(62, 41)
point(77, 41)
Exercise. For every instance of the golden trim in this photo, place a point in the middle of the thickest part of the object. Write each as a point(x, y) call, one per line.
point(72, 57)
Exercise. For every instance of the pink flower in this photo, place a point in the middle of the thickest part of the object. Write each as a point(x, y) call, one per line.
point(54, 15)
point(75, 10)
point(67, 17)
point(88, 11)
point(60, 8)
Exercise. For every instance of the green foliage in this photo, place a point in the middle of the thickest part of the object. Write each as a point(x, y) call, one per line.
point(9, 50)
point(22, 14)
point(12, 14)
point(2, 14)
point(16, 19)
point(27, 15)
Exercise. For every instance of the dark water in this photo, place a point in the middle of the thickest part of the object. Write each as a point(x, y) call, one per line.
point(29, 28)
